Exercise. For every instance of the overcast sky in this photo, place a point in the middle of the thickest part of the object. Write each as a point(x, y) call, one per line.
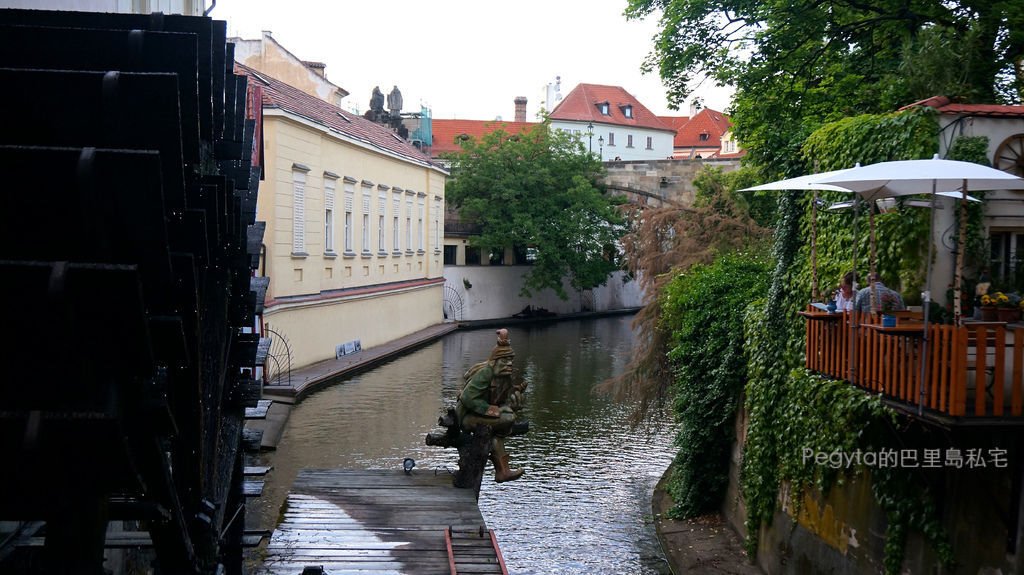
point(465, 59)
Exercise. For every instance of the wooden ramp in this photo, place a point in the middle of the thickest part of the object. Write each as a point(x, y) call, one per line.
point(381, 522)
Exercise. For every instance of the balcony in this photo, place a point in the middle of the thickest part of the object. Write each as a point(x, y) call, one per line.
point(974, 373)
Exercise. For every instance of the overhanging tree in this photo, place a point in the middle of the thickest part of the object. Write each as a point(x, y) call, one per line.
point(539, 189)
point(797, 64)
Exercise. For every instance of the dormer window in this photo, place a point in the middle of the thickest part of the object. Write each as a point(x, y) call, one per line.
point(704, 136)
point(627, 110)
point(604, 108)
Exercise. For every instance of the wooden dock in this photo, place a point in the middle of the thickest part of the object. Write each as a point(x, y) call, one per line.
point(381, 522)
point(303, 381)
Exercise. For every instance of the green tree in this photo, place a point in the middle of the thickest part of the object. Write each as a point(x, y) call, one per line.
point(797, 64)
point(539, 189)
point(669, 240)
point(704, 310)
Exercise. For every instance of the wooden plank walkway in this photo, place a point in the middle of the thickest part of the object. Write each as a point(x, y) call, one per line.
point(380, 522)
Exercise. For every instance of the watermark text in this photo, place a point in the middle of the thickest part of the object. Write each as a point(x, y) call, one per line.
point(950, 457)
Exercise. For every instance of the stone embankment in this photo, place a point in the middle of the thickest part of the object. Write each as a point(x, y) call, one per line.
point(705, 544)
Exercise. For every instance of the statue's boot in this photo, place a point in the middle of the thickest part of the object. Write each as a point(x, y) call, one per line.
point(499, 457)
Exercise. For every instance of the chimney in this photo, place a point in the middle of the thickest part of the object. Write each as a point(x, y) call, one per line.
point(520, 108)
point(318, 68)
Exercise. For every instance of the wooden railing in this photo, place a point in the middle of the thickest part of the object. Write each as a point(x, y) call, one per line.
point(976, 370)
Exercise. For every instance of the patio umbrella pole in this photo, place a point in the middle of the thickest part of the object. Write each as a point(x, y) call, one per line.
point(815, 293)
point(874, 257)
point(926, 298)
point(853, 314)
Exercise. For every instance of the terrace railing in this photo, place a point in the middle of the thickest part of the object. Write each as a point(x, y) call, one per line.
point(971, 372)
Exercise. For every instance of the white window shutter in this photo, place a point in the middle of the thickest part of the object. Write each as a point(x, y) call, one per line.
point(298, 211)
point(329, 186)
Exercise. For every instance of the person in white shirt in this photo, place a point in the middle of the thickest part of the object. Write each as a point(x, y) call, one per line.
point(846, 294)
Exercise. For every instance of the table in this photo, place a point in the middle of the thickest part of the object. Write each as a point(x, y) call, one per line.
point(821, 315)
point(904, 329)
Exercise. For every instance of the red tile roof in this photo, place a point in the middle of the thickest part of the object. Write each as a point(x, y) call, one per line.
point(277, 94)
point(707, 121)
point(446, 132)
point(946, 106)
point(674, 122)
point(581, 105)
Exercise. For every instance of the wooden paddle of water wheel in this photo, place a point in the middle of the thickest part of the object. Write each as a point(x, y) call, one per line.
point(127, 244)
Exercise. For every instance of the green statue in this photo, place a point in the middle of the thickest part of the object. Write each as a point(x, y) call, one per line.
point(491, 398)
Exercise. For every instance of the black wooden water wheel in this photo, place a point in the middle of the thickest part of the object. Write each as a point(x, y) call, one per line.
point(128, 242)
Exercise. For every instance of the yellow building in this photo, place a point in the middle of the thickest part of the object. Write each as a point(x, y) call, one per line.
point(354, 218)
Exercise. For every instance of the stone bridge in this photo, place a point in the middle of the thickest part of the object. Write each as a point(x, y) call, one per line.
point(651, 182)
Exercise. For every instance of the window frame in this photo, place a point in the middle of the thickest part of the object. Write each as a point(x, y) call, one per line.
point(330, 186)
point(350, 192)
point(299, 210)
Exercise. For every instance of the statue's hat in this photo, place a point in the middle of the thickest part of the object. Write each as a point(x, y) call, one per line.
point(503, 348)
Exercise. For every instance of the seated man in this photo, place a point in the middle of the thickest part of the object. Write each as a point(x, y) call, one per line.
point(491, 398)
point(885, 299)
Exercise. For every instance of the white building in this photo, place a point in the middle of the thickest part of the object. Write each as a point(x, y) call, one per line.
point(353, 212)
point(1004, 128)
point(613, 124)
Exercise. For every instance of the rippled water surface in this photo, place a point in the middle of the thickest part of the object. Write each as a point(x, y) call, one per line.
point(583, 505)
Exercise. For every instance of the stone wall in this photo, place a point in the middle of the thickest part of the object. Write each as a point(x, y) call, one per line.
point(843, 531)
point(489, 292)
point(660, 179)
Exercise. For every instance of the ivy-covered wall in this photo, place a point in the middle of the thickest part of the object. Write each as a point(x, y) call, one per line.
point(790, 410)
point(799, 508)
point(704, 310)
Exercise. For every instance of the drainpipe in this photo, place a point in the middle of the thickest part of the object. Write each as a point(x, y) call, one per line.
point(210, 9)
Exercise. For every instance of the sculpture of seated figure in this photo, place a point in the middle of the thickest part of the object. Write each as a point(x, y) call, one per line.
point(491, 398)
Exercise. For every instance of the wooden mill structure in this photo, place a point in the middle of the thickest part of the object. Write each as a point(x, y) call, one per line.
point(129, 240)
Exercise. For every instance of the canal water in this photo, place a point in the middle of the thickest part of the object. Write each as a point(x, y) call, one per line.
point(584, 503)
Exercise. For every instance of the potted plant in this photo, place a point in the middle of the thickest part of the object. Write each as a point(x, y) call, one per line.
point(888, 302)
point(988, 307)
point(1007, 307)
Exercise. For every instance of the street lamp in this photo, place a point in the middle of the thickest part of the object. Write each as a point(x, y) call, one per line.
point(590, 136)
point(600, 143)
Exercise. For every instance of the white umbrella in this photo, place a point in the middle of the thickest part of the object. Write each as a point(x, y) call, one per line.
point(869, 192)
point(911, 177)
point(808, 182)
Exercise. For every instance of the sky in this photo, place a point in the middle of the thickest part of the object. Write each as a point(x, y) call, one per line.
point(464, 59)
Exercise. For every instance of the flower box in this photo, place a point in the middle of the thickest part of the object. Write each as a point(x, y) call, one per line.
point(1008, 314)
point(989, 313)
